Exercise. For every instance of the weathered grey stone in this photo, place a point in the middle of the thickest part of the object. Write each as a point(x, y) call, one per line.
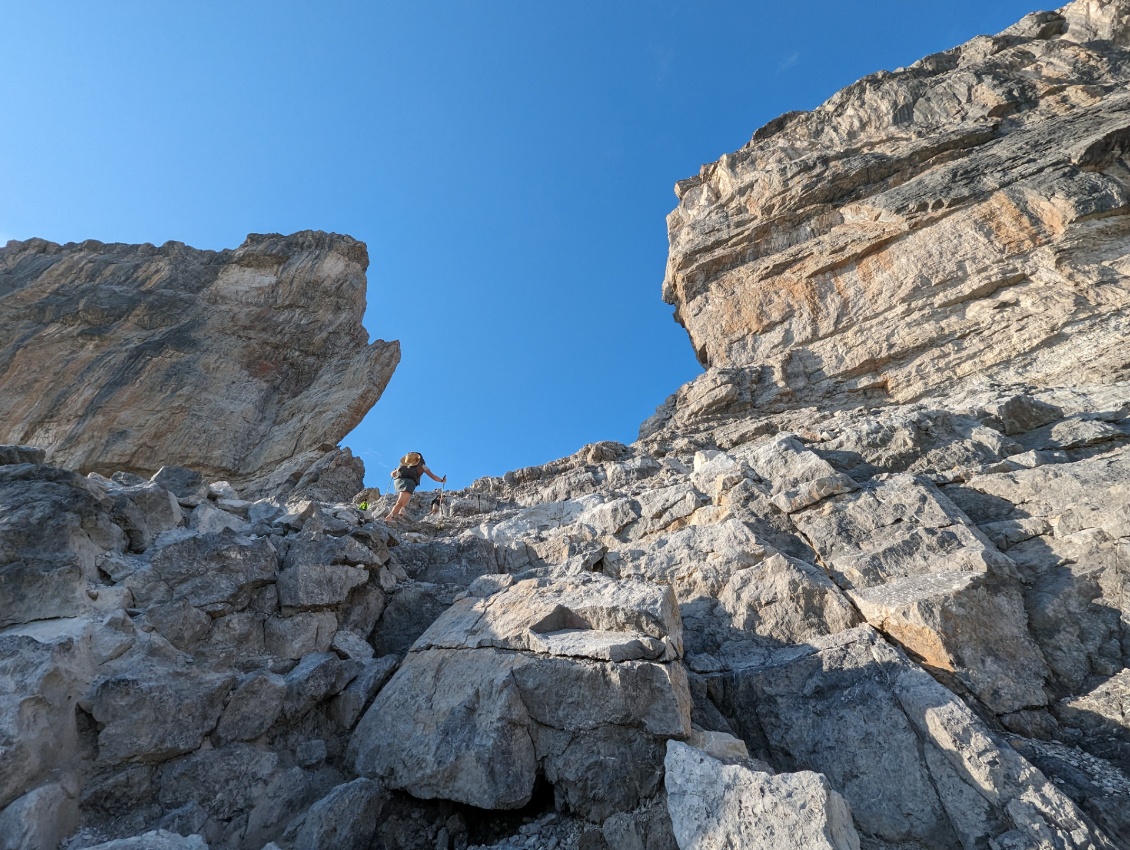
point(310, 549)
point(1019, 414)
point(334, 477)
point(411, 609)
point(186, 484)
point(311, 681)
point(146, 715)
point(715, 472)
point(188, 819)
point(11, 455)
point(1103, 714)
point(786, 600)
point(348, 645)
point(181, 623)
point(253, 707)
point(221, 490)
point(223, 781)
point(333, 522)
point(289, 791)
point(714, 805)
point(922, 573)
point(348, 705)
point(645, 828)
point(1067, 526)
point(295, 514)
point(215, 572)
point(158, 839)
point(206, 519)
point(235, 640)
point(299, 634)
point(964, 625)
point(716, 552)
point(812, 704)
point(662, 508)
point(263, 510)
point(112, 789)
point(595, 727)
point(344, 819)
point(41, 677)
point(943, 276)
point(797, 477)
point(910, 439)
point(318, 585)
point(490, 764)
point(41, 818)
point(276, 306)
point(144, 511)
point(363, 610)
point(54, 527)
point(310, 754)
point(581, 617)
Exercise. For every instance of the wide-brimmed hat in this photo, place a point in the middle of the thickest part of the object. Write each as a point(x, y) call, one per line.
point(412, 459)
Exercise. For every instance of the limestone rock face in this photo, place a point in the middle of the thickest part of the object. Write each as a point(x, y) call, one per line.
point(778, 619)
point(966, 217)
point(234, 363)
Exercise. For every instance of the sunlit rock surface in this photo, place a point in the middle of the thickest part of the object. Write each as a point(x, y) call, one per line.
point(963, 218)
point(234, 363)
point(865, 583)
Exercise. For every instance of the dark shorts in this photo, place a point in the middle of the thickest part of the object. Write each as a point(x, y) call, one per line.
point(405, 485)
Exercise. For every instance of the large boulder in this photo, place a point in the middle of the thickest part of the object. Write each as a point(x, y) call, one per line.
point(579, 680)
point(234, 363)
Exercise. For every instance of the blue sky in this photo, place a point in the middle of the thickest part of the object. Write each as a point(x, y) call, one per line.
point(509, 164)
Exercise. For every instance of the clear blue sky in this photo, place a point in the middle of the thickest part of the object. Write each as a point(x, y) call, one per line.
point(509, 165)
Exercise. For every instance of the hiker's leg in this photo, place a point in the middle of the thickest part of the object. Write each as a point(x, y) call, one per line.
point(402, 500)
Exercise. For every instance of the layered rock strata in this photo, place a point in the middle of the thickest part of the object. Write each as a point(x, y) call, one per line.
point(246, 365)
point(963, 218)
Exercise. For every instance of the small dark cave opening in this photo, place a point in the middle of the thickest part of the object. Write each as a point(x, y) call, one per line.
point(412, 824)
point(485, 826)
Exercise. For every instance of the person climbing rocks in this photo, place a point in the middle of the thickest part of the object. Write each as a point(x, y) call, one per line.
point(406, 478)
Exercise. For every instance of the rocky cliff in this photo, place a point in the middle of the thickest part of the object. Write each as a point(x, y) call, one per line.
point(780, 619)
point(246, 365)
point(961, 219)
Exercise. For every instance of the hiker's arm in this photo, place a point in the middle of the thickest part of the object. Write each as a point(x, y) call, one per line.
point(434, 477)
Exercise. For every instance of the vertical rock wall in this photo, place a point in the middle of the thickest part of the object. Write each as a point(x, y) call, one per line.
point(960, 219)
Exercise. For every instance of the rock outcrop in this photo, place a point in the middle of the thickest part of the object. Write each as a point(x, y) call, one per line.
point(767, 623)
point(246, 365)
point(964, 218)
